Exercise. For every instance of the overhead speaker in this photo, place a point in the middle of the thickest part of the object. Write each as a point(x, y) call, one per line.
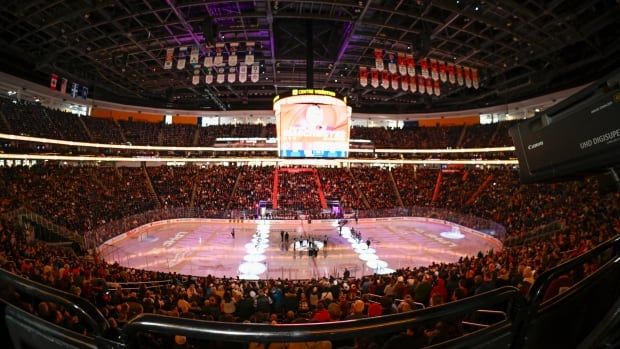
point(209, 31)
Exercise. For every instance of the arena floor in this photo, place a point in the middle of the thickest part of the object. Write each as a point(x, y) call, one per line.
point(203, 247)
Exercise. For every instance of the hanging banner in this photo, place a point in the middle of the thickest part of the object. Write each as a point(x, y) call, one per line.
point(53, 81)
point(421, 84)
point(392, 63)
point(443, 76)
point(232, 56)
point(193, 56)
point(169, 58)
point(475, 79)
point(218, 61)
point(424, 67)
point(467, 76)
point(63, 85)
point(249, 55)
point(243, 73)
point(232, 74)
point(196, 77)
point(374, 77)
point(436, 88)
point(404, 82)
point(410, 65)
point(208, 61)
point(412, 84)
point(363, 76)
point(451, 73)
point(182, 54)
point(75, 87)
point(220, 77)
point(394, 81)
point(255, 73)
point(402, 64)
point(84, 92)
point(429, 86)
point(434, 69)
point(385, 79)
point(459, 75)
point(209, 77)
point(379, 59)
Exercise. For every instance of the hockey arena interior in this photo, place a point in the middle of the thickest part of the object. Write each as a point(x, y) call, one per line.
point(310, 174)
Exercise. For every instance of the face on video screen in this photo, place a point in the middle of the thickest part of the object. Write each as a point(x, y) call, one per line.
point(313, 130)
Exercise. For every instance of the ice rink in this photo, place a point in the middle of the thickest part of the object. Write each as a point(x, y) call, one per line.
point(206, 246)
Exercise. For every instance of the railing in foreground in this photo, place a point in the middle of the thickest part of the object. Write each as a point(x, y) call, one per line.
point(97, 236)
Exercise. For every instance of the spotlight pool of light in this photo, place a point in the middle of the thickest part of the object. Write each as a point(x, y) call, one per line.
point(368, 256)
point(248, 277)
point(365, 250)
point(361, 246)
point(252, 268)
point(376, 264)
point(254, 257)
point(455, 234)
point(383, 271)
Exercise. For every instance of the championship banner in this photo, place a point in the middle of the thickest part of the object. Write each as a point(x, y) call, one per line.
point(196, 77)
point(220, 76)
point(374, 77)
point(363, 76)
point(232, 74)
point(442, 71)
point(255, 72)
point(193, 56)
point(53, 81)
point(459, 75)
point(424, 67)
point(467, 76)
point(394, 81)
point(451, 73)
point(434, 69)
point(412, 84)
point(385, 79)
point(249, 55)
point(392, 63)
point(404, 82)
point(421, 84)
point(84, 92)
point(169, 58)
point(208, 62)
point(218, 61)
point(63, 85)
point(429, 86)
point(402, 66)
point(410, 65)
point(209, 77)
point(436, 88)
point(75, 87)
point(232, 56)
point(475, 79)
point(181, 61)
point(379, 59)
point(243, 73)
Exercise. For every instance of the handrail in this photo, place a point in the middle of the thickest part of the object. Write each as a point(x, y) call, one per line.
point(537, 290)
point(243, 332)
point(81, 306)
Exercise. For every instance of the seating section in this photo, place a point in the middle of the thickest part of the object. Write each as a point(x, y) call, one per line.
point(376, 186)
point(298, 191)
point(254, 184)
point(215, 185)
point(338, 184)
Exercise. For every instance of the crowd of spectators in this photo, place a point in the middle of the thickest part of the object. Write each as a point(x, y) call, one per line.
point(337, 184)
point(215, 186)
point(297, 190)
point(173, 184)
point(254, 184)
point(377, 186)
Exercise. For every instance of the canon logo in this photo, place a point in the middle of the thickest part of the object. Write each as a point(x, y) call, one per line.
point(535, 145)
point(170, 242)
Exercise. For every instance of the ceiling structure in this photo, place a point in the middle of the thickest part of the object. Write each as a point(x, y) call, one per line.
point(117, 47)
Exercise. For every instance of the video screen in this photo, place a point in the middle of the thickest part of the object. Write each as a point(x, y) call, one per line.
point(313, 131)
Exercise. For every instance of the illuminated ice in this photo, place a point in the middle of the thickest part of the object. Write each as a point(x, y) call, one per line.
point(252, 268)
point(376, 264)
point(254, 257)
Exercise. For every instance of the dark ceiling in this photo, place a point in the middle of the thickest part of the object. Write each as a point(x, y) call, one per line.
point(522, 48)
